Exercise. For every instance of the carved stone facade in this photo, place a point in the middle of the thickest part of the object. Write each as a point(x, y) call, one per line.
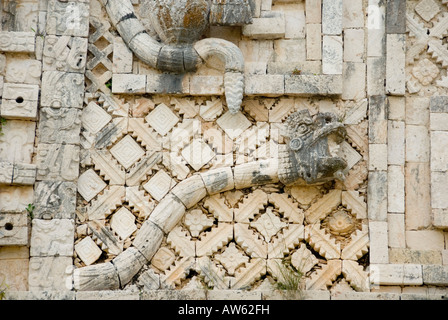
point(223, 150)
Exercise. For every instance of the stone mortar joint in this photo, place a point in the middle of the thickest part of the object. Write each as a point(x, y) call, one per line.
point(180, 24)
point(309, 157)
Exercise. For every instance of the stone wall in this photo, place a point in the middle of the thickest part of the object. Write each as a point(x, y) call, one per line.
point(104, 160)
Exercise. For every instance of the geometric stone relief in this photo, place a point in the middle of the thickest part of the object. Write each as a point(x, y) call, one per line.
point(207, 237)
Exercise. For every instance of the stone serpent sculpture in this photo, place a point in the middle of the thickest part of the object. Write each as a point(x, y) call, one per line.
point(180, 24)
point(309, 157)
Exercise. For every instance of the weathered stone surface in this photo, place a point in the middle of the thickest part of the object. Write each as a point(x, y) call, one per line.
point(306, 85)
point(332, 54)
point(395, 64)
point(68, 18)
point(396, 16)
point(17, 141)
point(435, 275)
point(59, 125)
point(62, 90)
point(19, 101)
point(64, 53)
point(13, 229)
point(54, 200)
point(266, 28)
point(57, 162)
point(48, 273)
point(52, 237)
point(332, 17)
point(17, 41)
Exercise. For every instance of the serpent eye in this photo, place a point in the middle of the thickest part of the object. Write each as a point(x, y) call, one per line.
point(296, 144)
point(303, 128)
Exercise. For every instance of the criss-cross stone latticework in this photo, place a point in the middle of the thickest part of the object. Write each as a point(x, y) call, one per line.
point(223, 149)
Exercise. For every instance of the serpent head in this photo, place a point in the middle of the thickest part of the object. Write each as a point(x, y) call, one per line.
point(312, 148)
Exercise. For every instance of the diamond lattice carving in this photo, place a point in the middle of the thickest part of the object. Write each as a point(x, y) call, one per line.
point(127, 151)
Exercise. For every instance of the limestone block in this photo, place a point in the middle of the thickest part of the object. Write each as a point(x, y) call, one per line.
point(439, 187)
point(59, 125)
point(96, 277)
point(294, 22)
point(395, 64)
point(425, 239)
point(354, 85)
point(68, 18)
point(233, 124)
point(266, 28)
point(396, 274)
point(439, 150)
point(17, 173)
point(378, 234)
point(396, 229)
point(440, 218)
point(439, 104)
point(418, 195)
point(94, 118)
point(13, 229)
point(198, 154)
point(88, 251)
point(17, 141)
point(23, 70)
point(57, 162)
point(230, 13)
point(256, 173)
point(52, 237)
point(60, 89)
point(439, 121)
point(313, 11)
point(1, 85)
point(376, 25)
point(90, 184)
point(395, 189)
point(127, 151)
point(168, 84)
point(397, 108)
point(306, 85)
point(314, 41)
point(417, 144)
point(403, 255)
point(256, 54)
point(376, 75)
point(19, 101)
point(353, 14)
point(148, 239)
point(14, 263)
point(64, 53)
point(128, 83)
point(417, 111)
point(122, 58)
point(190, 191)
point(268, 85)
point(206, 85)
point(377, 195)
point(15, 199)
point(54, 200)
point(290, 50)
point(435, 275)
point(125, 295)
point(159, 185)
point(332, 54)
point(162, 119)
point(128, 264)
point(332, 17)
point(48, 273)
point(396, 16)
point(378, 156)
point(17, 41)
point(396, 142)
point(168, 213)
point(218, 180)
point(354, 45)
